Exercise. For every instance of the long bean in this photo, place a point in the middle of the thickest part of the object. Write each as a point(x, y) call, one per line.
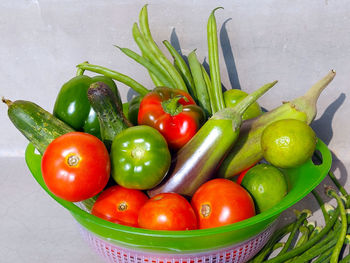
point(116, 76)
point(182, 67)
point(338, 185)
point(326, 244)
point(345, 259)
point(301, 217)
point(321, 204)
point(305, 231)
point(334, 179)
point(160, 78)
point(146, 32)
point(325, 256)
point(213, 55)
point(344, 223)
point(199, 83)
point(147, 52)
point(309, 244)
point(268, 248)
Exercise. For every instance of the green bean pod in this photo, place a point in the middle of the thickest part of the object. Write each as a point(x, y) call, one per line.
point(146, 32)
point(116, 76)
point(160, 78)
point(199, 83)
point(213, 104)
point(147, 52)
point(213, 55)
point(182, 67)
point(343, 229)
point(196, 162)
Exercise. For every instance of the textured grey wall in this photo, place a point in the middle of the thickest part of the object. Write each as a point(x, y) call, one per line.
point(295, 42)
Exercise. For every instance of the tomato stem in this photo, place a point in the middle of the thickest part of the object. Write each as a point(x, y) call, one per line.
point(137, 153)
point(73, 160)
point(172, 106)
point(8, 102)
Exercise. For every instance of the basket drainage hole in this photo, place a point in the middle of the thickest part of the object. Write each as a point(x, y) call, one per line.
point(317, 158)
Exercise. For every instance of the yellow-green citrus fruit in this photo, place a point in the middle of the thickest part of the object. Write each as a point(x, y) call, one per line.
point(266, 184)
point(233, 96)
point(288, 143)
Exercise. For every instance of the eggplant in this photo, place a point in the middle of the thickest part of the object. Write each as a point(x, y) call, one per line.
point(196, 162)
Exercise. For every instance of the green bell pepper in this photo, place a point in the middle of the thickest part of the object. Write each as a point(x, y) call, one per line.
point(73, 107)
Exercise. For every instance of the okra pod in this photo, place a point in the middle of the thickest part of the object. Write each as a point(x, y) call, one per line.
point(147, 52)
point(182, 67)
point(199, 83)
point(146, 32)
point(213, 55)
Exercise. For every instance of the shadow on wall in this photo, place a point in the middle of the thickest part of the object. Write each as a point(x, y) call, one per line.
point(323, 128)
point(229, 59)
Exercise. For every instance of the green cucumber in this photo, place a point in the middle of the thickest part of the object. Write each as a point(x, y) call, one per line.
point(109, 110)
point(39, 126)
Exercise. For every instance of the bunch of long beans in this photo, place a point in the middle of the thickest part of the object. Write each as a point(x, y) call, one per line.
point(191, 77)
point(314, 243)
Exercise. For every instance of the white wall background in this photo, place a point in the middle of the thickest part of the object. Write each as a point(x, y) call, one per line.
point(296, 42)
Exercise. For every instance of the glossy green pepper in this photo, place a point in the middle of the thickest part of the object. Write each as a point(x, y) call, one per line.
point(133, 111)
point(72, 105)
point(140, 157)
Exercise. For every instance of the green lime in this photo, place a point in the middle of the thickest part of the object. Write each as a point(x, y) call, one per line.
point(233, 96)
point(288, 143)
point(266, 184)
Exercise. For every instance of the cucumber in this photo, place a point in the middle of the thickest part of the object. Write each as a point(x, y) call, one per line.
point(109, 110)
point(39, 126)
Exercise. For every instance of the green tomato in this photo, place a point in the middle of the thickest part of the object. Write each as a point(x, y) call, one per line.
point(140, 157)
point(233, 96)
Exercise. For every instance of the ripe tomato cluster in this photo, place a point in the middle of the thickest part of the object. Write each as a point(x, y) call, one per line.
point(170, 211)
point(76, 166)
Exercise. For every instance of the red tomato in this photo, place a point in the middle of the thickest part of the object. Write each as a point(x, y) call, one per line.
point(76, 166)
point(167, 211)
point(173, 113)
point(220, 202)
point(119, 205)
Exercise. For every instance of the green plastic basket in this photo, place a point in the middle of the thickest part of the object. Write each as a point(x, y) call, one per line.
point(118, 240)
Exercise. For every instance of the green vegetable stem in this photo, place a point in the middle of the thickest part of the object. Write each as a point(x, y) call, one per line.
point(116, 76)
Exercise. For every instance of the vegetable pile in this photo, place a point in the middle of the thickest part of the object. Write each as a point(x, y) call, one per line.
point(182, 156)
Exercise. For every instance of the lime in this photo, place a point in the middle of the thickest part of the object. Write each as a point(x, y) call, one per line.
point(233, 96)
point(288, 143)
point(266, 184)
